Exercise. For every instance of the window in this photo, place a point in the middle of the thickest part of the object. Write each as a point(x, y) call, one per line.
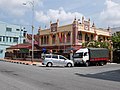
point(78, 55)
point(85, 54)
point(3, 38)
point(68, 37)
point(99, 38)
point(104, 38)
point(24, 41)
point(53, 39)
point(42, 40)
point(17, 29)
point(10, 39)
point(0, 38)
point(63, 37)
point(6, 39)
point(55, 56)
point(80, 35)
point(86, 37)
point(47, 40)
point(24, 34)
point(15, 39)
point(91, 36)
point(8, 29)
point(1, 51)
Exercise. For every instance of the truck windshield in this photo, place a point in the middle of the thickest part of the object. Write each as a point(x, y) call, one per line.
point(78, 55)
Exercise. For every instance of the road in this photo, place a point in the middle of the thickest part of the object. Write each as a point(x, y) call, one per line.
point(26, 77)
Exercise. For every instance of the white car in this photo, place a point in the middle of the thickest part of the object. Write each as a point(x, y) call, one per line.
point(56, 60)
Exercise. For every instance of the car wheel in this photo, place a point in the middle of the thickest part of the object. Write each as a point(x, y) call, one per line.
point(69, 65)
point(49, 64)
point(87, 64)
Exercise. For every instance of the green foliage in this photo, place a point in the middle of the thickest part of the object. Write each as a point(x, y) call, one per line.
point(97, 44)
point(116, 40)
point(104, 44)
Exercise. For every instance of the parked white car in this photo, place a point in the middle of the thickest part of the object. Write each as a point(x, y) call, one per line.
point(56, 60)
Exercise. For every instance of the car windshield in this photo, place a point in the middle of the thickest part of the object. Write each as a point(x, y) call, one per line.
point(78, 55)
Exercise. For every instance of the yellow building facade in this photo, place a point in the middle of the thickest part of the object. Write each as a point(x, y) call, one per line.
point(71, 36)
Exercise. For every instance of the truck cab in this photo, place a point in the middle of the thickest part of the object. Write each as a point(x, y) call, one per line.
point(81, 56)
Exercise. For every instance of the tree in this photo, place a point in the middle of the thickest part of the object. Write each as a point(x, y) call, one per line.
point(97, 44)
point(116, 40)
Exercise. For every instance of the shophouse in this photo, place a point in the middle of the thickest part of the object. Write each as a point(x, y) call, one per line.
point(71, 36)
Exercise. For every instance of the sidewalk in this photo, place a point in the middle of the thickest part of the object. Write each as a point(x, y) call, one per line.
point(26, 62)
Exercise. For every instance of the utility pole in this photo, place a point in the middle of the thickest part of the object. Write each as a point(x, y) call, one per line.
point(32, 26)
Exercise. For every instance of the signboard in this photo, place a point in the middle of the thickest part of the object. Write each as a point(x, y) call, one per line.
point(24, 50)
point(54, 27)
point(44, 50)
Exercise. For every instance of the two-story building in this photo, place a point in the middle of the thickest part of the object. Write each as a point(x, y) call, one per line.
point(10, 35)
point(71, 36)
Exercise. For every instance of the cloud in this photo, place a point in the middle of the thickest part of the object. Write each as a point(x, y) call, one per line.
point(111, 15)
point(15, 7)
point(53, 15)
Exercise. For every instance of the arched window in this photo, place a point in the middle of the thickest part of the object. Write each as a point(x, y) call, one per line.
point(53, 39)
point(63, 38)
point(104, 38)
point(100, 39)
point(91, 37)
point(86, 37)
point(41, 40)
point(44, 39)
point(68, 37)
point(79, 35)
point(47, 40)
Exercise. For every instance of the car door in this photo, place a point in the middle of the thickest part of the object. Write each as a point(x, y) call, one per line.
point(62, 60)
point(55, 60)
point(86, 56)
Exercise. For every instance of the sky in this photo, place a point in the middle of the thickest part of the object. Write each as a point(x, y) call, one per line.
point(103, 13)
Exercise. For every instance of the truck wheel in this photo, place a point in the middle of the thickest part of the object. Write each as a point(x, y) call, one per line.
point(49, 64)
point(87, 64)
point(105, 63)
point(101, 63)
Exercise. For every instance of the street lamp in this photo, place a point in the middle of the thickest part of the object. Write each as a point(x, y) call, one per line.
point(32, 4)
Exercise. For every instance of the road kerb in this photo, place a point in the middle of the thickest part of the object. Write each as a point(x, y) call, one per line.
point(22, 62)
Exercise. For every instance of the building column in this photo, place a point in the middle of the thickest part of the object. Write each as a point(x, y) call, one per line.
point(50, 39)
point(65, 38)
point(46, 39)
point(83, 37)
point(40, 40)
point(71, 38)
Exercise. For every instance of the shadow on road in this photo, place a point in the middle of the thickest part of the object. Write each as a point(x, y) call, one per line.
point(109, 75)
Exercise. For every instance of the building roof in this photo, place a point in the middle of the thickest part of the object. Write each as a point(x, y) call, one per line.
point(21, 46)
point(24, 46)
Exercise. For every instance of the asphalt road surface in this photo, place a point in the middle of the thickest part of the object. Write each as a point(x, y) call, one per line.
point(26, 77)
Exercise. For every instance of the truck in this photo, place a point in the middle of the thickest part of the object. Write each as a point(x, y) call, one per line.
point(87, 56)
